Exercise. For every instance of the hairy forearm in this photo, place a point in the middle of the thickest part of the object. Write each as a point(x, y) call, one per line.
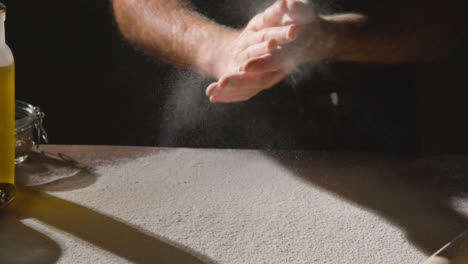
point(170, 30)
point(400, 31)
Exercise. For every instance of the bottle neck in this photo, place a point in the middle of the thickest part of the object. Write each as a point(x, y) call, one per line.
point(2, 28)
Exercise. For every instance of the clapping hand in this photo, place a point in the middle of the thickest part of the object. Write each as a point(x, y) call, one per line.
point(272, 45)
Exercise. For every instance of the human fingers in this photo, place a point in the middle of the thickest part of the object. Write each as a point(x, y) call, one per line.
point(243, 86)
point(282, 35)
point(232, 98)
point(271, 17)
point(211, 88)
point(299, 12)
point(282, 13)
point(288, 56)
point(285, 60)
point(257, 50)
point(265, 63)
point(281, 59)
point(246, 94)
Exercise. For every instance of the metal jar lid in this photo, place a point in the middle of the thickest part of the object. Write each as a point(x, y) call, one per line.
point(28, 116)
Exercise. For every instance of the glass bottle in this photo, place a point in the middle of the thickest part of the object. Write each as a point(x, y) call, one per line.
point(7, 106)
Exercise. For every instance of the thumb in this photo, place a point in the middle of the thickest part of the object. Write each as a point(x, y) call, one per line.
point(271, 17)
point(299, 12)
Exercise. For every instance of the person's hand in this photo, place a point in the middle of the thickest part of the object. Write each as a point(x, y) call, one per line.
point(235, 49)
point(262, 70)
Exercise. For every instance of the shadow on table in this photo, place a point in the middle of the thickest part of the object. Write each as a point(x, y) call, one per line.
point(22, 244)
point(413, 192)
point(54, 172)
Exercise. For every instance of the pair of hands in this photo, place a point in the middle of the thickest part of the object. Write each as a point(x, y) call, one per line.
point(274, 42)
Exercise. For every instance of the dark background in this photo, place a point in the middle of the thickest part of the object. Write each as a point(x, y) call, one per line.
point(71, 61)
point(96, 89)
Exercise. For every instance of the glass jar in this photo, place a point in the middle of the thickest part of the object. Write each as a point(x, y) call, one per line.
point(29, 130)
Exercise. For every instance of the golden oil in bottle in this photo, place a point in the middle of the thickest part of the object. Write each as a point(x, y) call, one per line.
point(7, 107)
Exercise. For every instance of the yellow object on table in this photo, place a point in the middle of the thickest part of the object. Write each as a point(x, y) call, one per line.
point(7, 107)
